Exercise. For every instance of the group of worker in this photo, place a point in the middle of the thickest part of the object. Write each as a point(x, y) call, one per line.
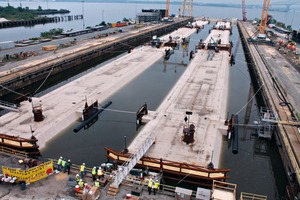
point(153, 185)
point(64, 165)
point(81, 184)
point(99, 172)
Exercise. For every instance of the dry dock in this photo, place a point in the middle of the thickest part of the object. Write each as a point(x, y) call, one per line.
point(64, 105)
point(279, 83)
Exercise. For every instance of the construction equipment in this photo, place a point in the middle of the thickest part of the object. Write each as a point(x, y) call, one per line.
point(264, 17)
point(167, 14)
point(244, 10)
point(187, 5)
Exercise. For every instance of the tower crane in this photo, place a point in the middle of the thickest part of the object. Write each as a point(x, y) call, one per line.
point(264, 17)
point(167, 8)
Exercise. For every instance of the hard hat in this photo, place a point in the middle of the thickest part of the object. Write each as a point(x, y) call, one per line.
point(83, 163)
point(85, 184)
point(97, 180)
point(94, 166)
point(80, 180)
point(69, 160)
point(156, 180)
point(61, 157)
point(77, 174)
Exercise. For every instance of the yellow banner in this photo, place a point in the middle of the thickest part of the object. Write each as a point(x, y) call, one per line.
point(30, 175)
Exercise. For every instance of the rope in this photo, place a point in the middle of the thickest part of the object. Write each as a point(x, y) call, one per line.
point(12, 91)
point(250, 100)
point(45, 79)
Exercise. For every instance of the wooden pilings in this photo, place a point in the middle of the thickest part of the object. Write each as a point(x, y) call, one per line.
point(41, 20)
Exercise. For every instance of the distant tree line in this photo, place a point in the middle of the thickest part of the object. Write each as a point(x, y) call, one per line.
point(24, 13)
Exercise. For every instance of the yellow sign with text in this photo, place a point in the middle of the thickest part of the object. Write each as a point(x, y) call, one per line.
point(30, 175)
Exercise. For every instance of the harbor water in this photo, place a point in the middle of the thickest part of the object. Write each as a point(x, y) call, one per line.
point(253, 171)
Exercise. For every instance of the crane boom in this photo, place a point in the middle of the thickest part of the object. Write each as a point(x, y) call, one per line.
point(264, 17)
point(244, 10)
point(167, 8)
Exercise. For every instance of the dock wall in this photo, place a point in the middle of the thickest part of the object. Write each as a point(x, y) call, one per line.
point(36, 72)
point(283, 134)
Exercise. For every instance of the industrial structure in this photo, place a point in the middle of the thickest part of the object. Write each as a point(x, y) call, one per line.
point(244, 10)
point(264, 17)
point(187, 6)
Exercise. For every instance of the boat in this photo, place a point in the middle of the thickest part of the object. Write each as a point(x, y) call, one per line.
point(20, 144)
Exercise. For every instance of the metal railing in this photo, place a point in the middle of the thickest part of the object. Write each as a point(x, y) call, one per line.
point(131, 162)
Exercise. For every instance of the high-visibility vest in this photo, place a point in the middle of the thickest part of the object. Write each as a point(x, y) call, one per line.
point(80, 184)
point(82, 168)
point(156, 185)
point(99, 172)
point(97, 184)
point(59, 161)
point(150, 183)
point(94, 171)
point(63, 163)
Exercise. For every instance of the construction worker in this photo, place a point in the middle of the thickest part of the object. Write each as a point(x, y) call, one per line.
point(77, 177)
point(94, 171)
point(82, 170)
point(80, 183)
point(97, 183)
point(150, 183)
point(100, 173)
point(59, 163)
point(155, 186)
point(69, 166)
point(63, 165)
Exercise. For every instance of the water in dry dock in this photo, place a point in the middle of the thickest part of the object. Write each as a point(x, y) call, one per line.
point(251, 170)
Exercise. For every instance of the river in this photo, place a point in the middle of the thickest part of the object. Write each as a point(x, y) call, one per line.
point(94, 13)
point(252, 171)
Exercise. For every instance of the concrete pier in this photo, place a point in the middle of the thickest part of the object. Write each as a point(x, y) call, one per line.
point(62, 106)
point(203, 91)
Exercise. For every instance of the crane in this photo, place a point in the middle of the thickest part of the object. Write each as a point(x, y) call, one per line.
point(244, 10)
point(167, 8)
point(264, 17)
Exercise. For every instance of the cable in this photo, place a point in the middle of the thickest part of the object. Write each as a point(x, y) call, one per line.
point(12, 91)
point(250, 99)
point(120, 111)
point(45, 79)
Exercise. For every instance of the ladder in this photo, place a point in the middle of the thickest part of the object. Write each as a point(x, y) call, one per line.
point(131, 162)
point(8, 106)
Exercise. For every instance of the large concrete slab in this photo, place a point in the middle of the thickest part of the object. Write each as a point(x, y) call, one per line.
point(203, 90)
point(61, 105)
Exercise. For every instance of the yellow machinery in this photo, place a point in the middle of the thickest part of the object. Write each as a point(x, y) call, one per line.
point(167, 8)
point(264, 17)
